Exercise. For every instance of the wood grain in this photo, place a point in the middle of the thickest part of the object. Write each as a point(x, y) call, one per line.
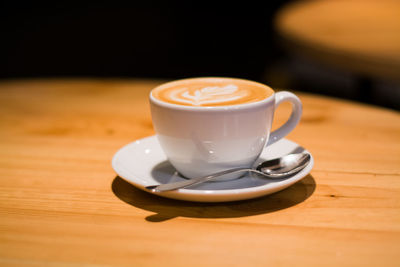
point(62, 204)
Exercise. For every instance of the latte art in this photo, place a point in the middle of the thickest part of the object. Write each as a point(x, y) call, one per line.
point(211, 92)
point(207, 95)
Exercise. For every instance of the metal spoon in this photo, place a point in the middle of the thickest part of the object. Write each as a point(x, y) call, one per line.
point(274, 168)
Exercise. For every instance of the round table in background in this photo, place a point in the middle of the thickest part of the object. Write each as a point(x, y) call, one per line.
point(356, 35)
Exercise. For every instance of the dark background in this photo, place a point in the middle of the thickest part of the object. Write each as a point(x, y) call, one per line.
point(167, 40)
point(162, 39)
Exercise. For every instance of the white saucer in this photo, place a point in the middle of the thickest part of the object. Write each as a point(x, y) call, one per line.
point(143, 163)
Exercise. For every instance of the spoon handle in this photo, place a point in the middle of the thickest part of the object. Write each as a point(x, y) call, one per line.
point(189, 182)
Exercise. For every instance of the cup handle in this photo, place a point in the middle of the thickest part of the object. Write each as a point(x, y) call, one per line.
point(290, 124)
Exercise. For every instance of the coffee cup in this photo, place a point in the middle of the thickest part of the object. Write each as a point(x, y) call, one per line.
point(210, 124)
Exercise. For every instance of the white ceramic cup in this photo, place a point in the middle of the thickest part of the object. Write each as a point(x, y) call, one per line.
point(202, 140)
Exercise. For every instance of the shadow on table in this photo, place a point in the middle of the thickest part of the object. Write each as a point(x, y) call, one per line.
point(166, 209)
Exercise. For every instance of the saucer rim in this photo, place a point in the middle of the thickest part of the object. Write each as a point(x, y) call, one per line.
point(201, 195)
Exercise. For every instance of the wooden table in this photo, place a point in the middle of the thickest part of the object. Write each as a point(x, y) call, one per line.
point(62, 204)
point(360, 36)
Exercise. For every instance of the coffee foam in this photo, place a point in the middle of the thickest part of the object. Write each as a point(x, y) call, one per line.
point(212, 92)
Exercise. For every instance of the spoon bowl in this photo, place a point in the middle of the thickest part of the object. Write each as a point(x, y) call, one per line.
point(275, 168)
point(284, 166)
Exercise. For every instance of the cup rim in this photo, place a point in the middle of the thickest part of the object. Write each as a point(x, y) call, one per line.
point(210, 108)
